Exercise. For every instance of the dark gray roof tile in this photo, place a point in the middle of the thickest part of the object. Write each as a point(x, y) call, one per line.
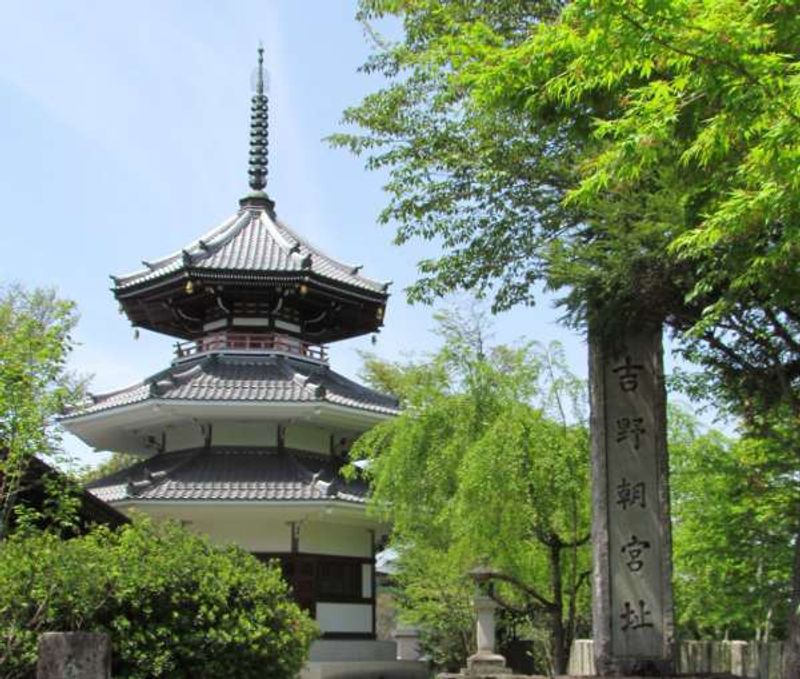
point(265, 377)
point(232, 474)
point(251, 241)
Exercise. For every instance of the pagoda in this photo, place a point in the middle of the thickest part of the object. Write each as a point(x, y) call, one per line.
point(243, 435)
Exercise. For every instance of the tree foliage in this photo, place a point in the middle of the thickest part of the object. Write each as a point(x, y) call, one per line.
point(173, 604)
point(35, 384)
point(638, 156)
point(478, 472)
point(636, 132)
point(734, 503)
point(117, 462)
point(469, 178)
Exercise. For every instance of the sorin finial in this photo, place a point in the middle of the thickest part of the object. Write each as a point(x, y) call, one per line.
point(259, 130)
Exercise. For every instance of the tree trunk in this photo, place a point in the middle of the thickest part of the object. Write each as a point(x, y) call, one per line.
point(560, 653)
point(792, 655)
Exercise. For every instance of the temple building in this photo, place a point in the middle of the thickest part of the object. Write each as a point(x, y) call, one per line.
point(242, 436)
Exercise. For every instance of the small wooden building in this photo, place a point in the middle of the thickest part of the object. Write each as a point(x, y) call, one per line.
point(33, 492)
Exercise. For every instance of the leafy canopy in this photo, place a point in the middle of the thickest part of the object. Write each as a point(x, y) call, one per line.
point(638, 156)
point(613, 149)
point(734, 503)
point(174, 605)
point(35, 384)
point(487, 465)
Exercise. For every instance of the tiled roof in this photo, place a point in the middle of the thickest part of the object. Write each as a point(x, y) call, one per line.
point(233, 474)
point(251, 241)
point(237, 378)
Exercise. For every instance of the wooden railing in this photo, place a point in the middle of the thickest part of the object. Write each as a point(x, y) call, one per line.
point(251, 341)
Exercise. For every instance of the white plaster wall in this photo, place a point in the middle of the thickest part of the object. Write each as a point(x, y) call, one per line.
point(329, 538)
point(183, 437)
point(256, 529)
point(257, 434)
point(308, 437)
point(262, 433)
point(344, 617)
point(253, 535)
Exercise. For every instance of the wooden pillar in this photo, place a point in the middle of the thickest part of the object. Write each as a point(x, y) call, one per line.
point(632, 611)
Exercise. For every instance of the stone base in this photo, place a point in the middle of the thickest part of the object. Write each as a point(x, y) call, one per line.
point(462, 675)
point(483, 664)
point(491, 676)
point(366, 669)
point(352, 650)
point(712, 675)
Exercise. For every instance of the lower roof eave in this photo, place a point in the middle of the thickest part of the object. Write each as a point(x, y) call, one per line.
point(341, 510)
point(130, 503)
point(367, 415)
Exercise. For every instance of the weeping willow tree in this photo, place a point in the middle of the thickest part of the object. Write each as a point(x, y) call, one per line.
point(488, 465)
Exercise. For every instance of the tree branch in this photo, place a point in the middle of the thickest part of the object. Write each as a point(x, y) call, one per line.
point(515, 582)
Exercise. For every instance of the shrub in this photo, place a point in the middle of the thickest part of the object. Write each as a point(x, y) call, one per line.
point(174, 604)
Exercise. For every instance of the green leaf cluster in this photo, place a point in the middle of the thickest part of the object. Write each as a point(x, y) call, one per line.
point(638, 157)
point(35, 384)
point(734, 505)
point(117, 462)
point(174, 604)
point(603, 148)
point(486, 466)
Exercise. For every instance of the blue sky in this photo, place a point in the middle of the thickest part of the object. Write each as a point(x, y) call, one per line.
point(123, 136)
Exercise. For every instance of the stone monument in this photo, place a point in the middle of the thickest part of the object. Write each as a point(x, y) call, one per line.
point(632, 611)
point(485, 663)
point(74, 655)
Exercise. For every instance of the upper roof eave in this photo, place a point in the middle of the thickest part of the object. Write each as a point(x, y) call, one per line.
point(257, 244)
point(243, 275)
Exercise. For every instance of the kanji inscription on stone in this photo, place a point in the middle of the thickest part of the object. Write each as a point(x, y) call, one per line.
point(634, 553)
point(631, 494)
point(632, 610)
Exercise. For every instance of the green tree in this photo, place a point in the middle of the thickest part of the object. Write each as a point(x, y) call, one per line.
point(637, 156)
point(572, 147)
point(35, 384)
point(117, 462)
point(486, 467)
point(174, 604)
point(734, 503)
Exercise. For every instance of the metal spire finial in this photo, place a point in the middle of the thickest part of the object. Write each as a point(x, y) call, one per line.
point(259, 129)
point(260, 81)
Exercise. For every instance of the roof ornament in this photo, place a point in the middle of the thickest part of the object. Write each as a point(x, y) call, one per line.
point(257, 199)
point(259, 128)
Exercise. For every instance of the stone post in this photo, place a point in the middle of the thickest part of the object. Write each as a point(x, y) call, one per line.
point(485, 608)
point(485, 661)
point(632, 612)
point(738, 663)
point(407, 640)
point(74, 655)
